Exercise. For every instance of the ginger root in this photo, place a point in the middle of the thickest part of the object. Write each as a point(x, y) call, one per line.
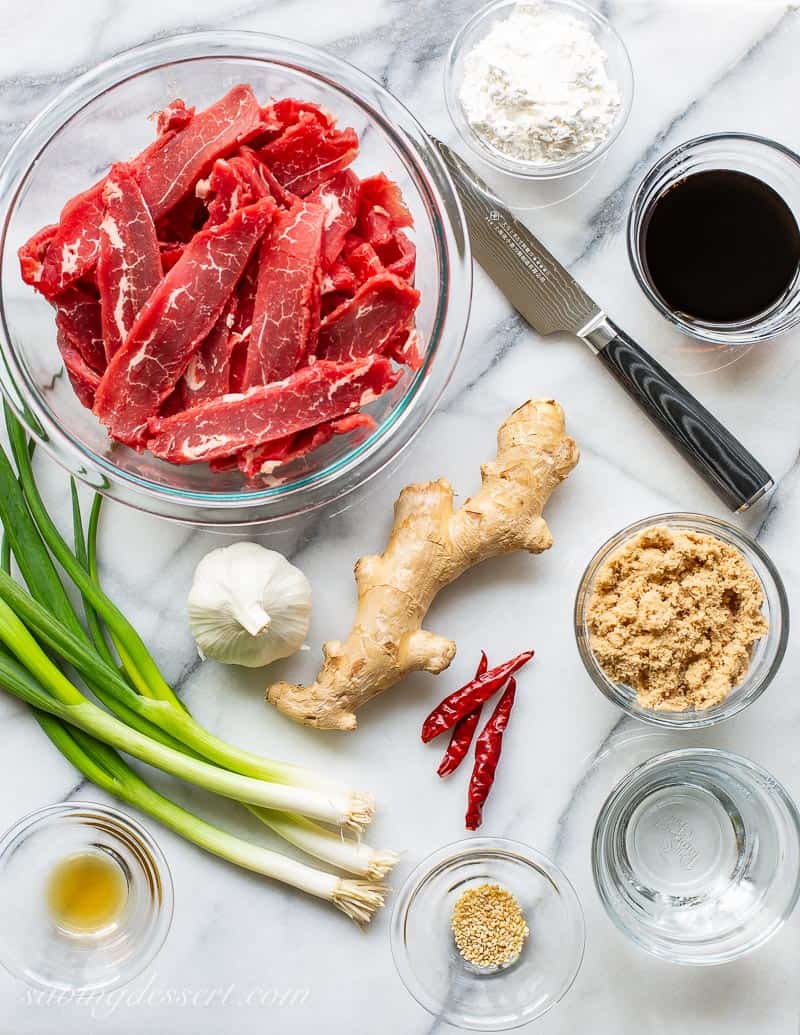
point(430, 546)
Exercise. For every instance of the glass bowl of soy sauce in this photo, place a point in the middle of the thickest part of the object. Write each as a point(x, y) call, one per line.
point(714, 238)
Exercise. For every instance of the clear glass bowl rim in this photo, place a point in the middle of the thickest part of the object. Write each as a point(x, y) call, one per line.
point(530, 170)
point(446, 856)
point(745, 332)
point(27, 824)
point(736, 701)
point(408, 416)
point(617, 793)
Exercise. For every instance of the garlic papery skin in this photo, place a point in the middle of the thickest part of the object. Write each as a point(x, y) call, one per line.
point(248, 606)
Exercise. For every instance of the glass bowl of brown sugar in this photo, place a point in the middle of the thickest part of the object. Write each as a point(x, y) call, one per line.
point(681, 620)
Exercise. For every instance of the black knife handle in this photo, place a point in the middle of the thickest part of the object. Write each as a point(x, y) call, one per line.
point(734, 474)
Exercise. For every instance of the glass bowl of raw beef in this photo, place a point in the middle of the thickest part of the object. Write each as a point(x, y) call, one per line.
point(234, 278)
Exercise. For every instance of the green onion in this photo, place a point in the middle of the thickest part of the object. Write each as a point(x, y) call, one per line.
point(126, 704)
point(82, 554)
point(22, 537)
point(127, 641)
point(154, 704)
point(19, 612)
point(358, 899)
point(346, 854)
point(137, 660)
point(147, 720)
point(68, 703)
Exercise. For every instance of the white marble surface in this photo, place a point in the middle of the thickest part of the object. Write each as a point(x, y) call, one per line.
point(699, 66)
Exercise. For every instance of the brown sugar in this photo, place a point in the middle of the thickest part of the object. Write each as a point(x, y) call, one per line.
point(674, 614)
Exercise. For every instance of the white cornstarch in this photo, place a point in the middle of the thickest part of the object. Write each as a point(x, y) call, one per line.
point(536, 88)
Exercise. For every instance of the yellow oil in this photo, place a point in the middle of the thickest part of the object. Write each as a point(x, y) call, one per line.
point(86, 892)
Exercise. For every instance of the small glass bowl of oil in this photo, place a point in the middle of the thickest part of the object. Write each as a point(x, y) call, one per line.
point(85, 898)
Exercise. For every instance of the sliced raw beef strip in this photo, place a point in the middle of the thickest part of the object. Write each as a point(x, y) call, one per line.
point(339, 197)
point(380, 192)
point(398, 255)
point(259, 176)
point(405, 348)
point(175, 117)
point(251, 170)
point(177, 317)
point(243, 324)
point(171, 251)
point(73, 249)
point(381, 208)
point(332, 300)
point(173, 402)
point(263, 460)
point(287, 111)
point(286, 314)
point(271, 125)
point(308, 153)
point(236, 182)
point(181, 223)
point(246, 294)
point(78, 319)
point(317, 393)
point(225, 191)
point(224, 463)
point(362, 259)
point(381, 309)
point(129, 262)
point(284, 197)
point(339, 278)
point(172, 172)
point(166, 171)
point(83, 379)
point(31, 254)
point(280, 114)
point(207, 375)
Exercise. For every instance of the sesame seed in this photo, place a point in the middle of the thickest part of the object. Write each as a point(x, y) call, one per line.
point(488, 926)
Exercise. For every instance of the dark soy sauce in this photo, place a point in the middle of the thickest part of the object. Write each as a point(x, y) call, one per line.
point(721, 246)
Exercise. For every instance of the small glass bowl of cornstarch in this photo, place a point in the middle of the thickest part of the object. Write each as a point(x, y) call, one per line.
point(538, 88)
point(487, 934)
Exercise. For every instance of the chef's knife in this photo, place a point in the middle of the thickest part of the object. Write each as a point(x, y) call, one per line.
point(549, 298)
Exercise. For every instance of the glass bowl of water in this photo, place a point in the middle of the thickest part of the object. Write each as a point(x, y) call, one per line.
point(696, 856)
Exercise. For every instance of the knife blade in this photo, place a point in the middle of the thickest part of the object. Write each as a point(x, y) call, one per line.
point(532, 279)
point(550, 299)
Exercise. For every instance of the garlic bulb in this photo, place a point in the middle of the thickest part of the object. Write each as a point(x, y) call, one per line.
point(248, 606)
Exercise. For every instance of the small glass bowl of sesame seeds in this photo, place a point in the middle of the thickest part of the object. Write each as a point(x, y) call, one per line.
point(487, 934)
